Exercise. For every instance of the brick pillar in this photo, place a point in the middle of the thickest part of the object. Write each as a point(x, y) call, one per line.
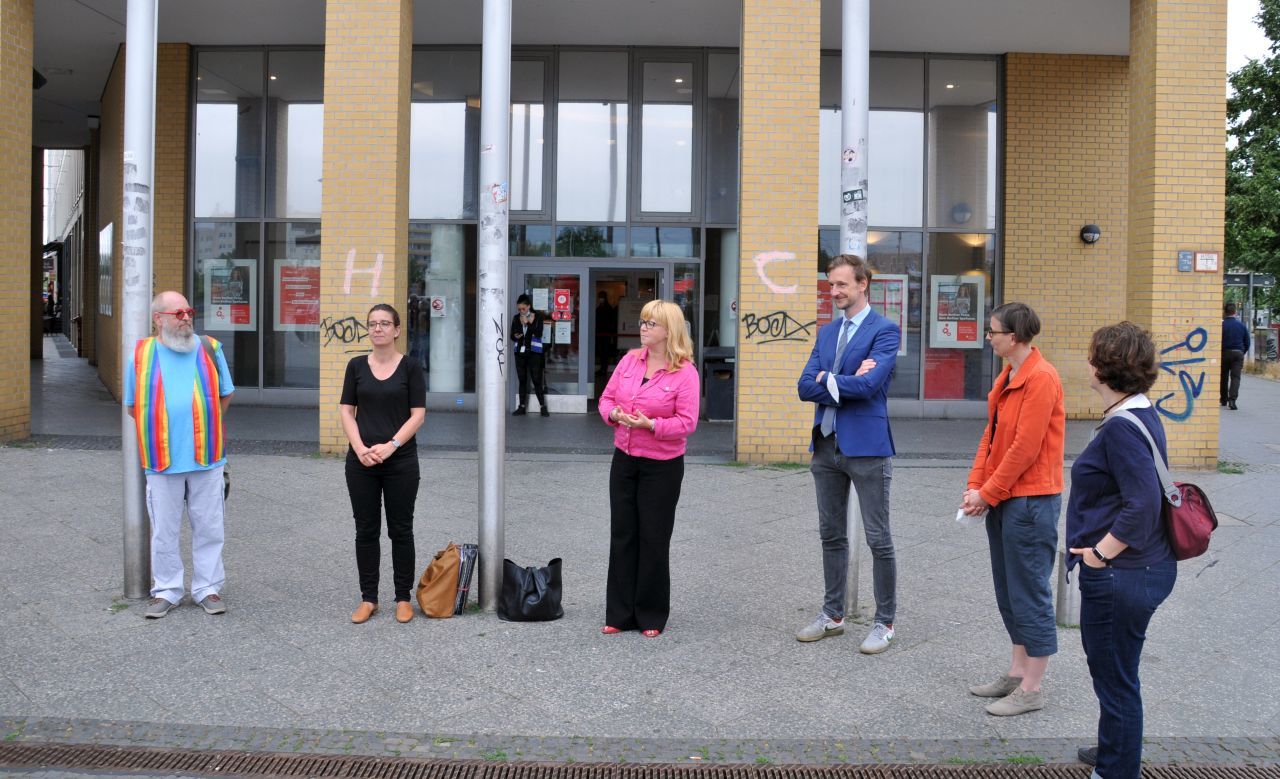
point(173, 134)
point(365, 205)
point(778, 221)
point(1177, 120)
point(16, 51)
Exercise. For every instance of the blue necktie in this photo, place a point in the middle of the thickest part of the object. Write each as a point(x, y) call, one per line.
point(829, 413)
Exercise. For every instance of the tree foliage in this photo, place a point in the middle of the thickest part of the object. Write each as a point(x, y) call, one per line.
point(1253, 164)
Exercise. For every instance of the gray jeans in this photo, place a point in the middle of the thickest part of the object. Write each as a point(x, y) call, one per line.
point(832, 474)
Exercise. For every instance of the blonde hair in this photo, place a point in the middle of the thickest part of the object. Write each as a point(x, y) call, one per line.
point(671, 317)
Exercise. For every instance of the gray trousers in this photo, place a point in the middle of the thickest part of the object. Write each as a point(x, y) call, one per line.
point(832, 475)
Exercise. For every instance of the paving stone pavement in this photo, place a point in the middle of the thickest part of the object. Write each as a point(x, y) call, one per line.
point(285, 669)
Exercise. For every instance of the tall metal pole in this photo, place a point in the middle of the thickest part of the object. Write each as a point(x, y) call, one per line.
point(135, 299)
point(495, 164)
point(855, 117)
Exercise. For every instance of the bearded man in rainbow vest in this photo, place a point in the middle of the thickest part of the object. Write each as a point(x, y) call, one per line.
point(177, 388)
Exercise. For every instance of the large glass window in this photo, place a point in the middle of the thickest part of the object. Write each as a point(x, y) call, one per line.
point(528, 109)
point(444, 135)
point(440, 326)
point(295, 133)
point(721, 183)
point(591, 137)
point(957, 358)
point(228, 149)
point(666, 137)
point(291, 303)
point(225, 292)
point(962, 144)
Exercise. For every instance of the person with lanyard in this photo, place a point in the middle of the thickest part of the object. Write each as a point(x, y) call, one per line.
point(1016, 482)
point(384, 402)
point(531, 360)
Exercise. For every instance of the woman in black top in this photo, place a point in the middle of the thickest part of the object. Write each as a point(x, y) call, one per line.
point(384, 400)
point(531, 361)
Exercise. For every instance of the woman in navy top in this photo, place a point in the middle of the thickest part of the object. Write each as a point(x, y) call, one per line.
point(1114, 528)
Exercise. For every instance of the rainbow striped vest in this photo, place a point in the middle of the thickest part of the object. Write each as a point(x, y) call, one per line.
point(151, 417)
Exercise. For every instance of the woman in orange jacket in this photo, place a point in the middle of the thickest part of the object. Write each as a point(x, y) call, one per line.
point(1016, 482)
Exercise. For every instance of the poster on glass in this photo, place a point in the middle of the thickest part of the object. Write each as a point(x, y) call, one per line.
point(956, 305)
point(296, 298)
point(230, 289)
point(888, 296)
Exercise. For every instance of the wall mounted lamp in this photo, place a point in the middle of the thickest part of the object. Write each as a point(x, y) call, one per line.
point(1090, 233)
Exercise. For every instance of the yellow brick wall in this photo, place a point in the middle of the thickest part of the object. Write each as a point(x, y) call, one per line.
point(173, 133)
point(1177, 119)
point(365, 203)
point(778, 216)
point(110, 212)
point(1066, 165)
point(16, 52)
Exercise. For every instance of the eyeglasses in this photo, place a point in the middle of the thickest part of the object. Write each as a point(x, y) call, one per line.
point(649, 323)
point(991, 332)
point(180, 313)
point(382, 324)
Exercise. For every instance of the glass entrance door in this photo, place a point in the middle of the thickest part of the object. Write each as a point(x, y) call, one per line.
point(557, 299)
point(619, 294)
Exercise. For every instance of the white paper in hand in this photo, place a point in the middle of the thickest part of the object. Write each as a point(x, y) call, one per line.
point(967, 521)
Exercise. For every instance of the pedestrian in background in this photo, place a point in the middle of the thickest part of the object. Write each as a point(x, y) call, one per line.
point(1235, 345)
point(652, 402)
point(1115, 527)
point(384, 401)
point(1016, 481)
point(531, 358)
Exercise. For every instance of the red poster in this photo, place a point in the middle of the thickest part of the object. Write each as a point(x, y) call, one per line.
point(297, 295)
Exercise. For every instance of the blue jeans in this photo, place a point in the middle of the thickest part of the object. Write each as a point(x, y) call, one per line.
point(1023, 536)
point(832, 474)
point(1116, 605)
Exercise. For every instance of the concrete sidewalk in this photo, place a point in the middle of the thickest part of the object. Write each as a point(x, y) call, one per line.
point(285, 670)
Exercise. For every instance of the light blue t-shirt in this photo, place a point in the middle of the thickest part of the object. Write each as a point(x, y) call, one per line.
point(178, 373)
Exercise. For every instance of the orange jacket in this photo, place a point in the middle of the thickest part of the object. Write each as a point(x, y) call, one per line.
point(1026, 456)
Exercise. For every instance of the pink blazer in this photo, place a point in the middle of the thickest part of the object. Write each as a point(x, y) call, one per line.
point(669, 398)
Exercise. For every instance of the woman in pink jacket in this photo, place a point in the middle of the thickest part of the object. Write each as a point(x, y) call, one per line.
point(652, 402)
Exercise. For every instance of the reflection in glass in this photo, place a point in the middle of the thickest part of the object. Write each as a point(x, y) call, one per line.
point(440, 331)
point(666, 138)
point(896, 254)
point(684, 293)
point(721, 186)
point(591, 162)
point(963, 122)
point(441, 180)
point(295, 133)
point(225, 292)
point(291, 335)
point(960, 373)
point(228, 146)
point(527, 129)
point(531, 241)
point(665, 242)
point(895, 175)
point(561, 339)
point(591, 241)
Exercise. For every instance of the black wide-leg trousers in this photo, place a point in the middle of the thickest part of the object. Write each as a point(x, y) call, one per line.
point(642, 500)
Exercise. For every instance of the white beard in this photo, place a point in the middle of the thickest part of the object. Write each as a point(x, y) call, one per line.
point(179, 342)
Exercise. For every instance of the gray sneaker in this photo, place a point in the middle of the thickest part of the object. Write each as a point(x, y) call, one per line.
point(1001, 687)
point(820, 628)
point(1019, 701)
point(212, 604)
point(157, 608)
point(877, 640)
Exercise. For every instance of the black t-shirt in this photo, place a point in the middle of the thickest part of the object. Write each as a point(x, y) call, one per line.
point(382, 407)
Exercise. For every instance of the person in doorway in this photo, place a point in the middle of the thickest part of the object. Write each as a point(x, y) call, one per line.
point(177, 388)
point(1016, 482)
point(531, 360)
point(652, 402)
point(847, 379)
point(384, 402)
point(1115, 527)
point(606, 332)
point(1235, 345)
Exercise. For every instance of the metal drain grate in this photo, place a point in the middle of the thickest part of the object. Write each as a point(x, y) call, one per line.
point(225, 763)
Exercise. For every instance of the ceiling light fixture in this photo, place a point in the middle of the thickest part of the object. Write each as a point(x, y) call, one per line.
point(679, 81)
point(951, 86)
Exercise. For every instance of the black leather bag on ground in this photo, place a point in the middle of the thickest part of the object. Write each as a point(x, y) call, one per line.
point(530, 594)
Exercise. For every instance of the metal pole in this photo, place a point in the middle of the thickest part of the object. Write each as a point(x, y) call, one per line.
point(855, 91)
point(495, 164)
point(135, 299)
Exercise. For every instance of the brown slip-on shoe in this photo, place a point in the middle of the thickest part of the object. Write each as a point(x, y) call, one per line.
point(404, 611)
point(363, 612)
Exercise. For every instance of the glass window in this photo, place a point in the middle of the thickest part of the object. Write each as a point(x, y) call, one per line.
point(590, 241)
point(439, 325)
point(291, 337)
point(226, 292)
point(665, 242)
point(721, 185)
point(527, 128)
point(591, 137)
point(666, 138)
point(228, 148)
point(295, 132)
point(531, 241)
point(897, 261)
point(444, 135)
point(957, 358)
point(962, 144)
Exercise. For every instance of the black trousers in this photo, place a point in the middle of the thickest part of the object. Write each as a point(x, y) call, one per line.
point(1232, 365)
point(642, 502)
point(531, 367)
point(395, 484)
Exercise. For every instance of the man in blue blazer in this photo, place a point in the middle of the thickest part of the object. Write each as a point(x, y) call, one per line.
point(847, 379)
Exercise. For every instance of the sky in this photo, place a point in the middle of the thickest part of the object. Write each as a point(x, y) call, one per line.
point(1244, 38)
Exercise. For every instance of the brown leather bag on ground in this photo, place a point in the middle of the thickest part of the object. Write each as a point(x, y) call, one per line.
point(438, 589)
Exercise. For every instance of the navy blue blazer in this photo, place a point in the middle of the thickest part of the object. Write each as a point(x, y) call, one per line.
point(862, 415)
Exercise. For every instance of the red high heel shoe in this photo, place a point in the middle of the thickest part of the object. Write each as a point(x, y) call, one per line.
point(651, 633)
point(609, 630)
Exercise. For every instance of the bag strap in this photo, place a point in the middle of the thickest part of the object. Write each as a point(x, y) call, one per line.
point(1171, 493)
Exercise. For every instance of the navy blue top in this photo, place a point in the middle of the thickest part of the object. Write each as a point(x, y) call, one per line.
point(1234, 335)
point(1114, 487)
